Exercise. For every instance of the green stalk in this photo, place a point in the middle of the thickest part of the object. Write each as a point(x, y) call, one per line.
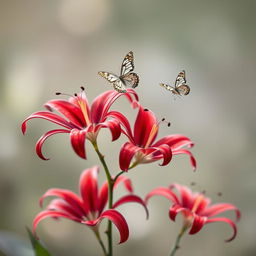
point(96, 232)
point(177, 242)
point(110, 197)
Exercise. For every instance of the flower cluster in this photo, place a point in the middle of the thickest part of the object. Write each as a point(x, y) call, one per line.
point(83, 122)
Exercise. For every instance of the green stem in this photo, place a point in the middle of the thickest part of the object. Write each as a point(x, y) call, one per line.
point(110, 197)
point(177, 242)
point(101, 242)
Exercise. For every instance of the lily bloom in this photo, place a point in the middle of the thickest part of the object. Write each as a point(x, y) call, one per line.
point(143, 147)
point(195, 208)
point(88, 207)
point(80, 120)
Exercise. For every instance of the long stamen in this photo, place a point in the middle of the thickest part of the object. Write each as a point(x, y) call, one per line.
point(152, 134)
point(83, 107)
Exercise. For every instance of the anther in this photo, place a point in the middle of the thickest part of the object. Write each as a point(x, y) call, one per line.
point(145, 109)
point(219, 194)
point(82, 88)
point(169, 124)
point(75, 94)
point(58, 93)
point(163, 119)
point(192, 183)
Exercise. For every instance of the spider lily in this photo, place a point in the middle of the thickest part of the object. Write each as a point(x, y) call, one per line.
point(88, 207)
point(143, 147)
point(195, 208)
point(80, 120)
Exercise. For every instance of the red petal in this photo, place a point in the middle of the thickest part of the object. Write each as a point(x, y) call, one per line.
point(69, 110)
point(166, 153)
point(89, 188)
point(230, 222)
point(197, 225)
point(124, 122)
point(175, 209)
point(47, 116)
point(184, 151)
point(77, 138)
point(113, 126)
point(162, 191)
point(131, 199)
point(127, 152)
point(187, 197)
point(143, 125)
point(68, 196)
point(41, 141)
point(103, 196)
point(101, 104)
point(175, 141)
point(117, 219)
point(219, 208)
point(55, 214)
point(127, 183)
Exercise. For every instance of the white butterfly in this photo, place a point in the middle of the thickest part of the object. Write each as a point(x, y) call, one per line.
point(126, 78)
point(180, 88)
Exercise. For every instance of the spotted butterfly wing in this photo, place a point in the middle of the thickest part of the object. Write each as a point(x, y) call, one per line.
point(180, 84)
point(169, 88)
point(114, 80)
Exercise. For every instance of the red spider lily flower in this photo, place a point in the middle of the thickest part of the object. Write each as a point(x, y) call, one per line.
point(81, 120)
point(88, 207)
point(142, 146)
point(195, 208)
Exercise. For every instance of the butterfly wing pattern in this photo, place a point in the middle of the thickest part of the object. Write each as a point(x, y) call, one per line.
point(181, 88)
point(126, 78)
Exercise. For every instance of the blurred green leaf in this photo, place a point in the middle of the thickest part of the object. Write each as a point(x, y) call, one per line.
point(38, 248)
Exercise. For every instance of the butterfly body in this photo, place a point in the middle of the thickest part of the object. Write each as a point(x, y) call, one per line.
point(180, 87)
point(126, 78)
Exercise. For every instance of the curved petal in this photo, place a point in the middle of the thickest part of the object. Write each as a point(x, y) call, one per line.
point(162, 191)
point(103, 197)
point(68, 196)
point(175, 141)
point(175, 209)
point(185, 194)
point(198, 223)
point(127, 183)
point(113, 126)
point(69, 110)
point(123, 121)
point(52, 117)
point(88, 185)
point(144, 123)
point(226, 220)
point(184, 151)
point(41, 141)
point(54, 214)
point(77, 138)
point(104, 101)
point(219, 208)
point(117, 219)
point(131, 199)
point(127, 152)
point(166, 153)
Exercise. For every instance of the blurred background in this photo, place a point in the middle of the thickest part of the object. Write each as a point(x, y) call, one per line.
point(48, 46)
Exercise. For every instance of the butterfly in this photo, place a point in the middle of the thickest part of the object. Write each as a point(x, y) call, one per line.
point(180, 86)
point(126, 78)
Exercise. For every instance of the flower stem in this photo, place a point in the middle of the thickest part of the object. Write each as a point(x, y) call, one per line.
point(101, 242)
point(110, 197)
point(177, 242)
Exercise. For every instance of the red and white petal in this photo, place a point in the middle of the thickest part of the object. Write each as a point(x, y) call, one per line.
point(175, 209)
point(131, 199)
point(77, 138)
point(143, 127)
point(165, 152)
point(69, 110)
point(113, 126)
point(117, 218)
point(219, 208)
point(187, 197)
point(54, 214)
point(41, 141)
point(228, 221)
point(52, 117)
point(165, 192)
point(68, 196)
point(88, 185)
point(127, 152)
point(184, 151)
point(198, 223)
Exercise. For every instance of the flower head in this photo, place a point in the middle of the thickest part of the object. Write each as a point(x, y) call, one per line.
point(195, 208)
point(143, 147)
point(88, 207)
point(80, 120)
